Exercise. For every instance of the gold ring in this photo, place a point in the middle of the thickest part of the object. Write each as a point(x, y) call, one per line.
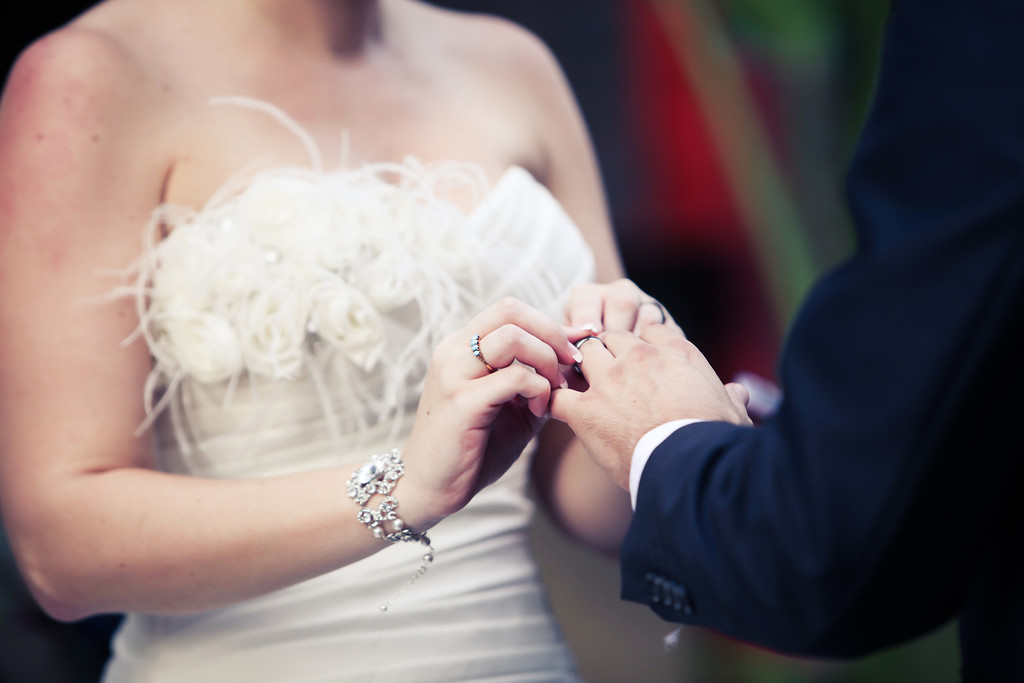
point(474, 346)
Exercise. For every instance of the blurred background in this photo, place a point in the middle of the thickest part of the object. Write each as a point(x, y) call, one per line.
point(723, 128)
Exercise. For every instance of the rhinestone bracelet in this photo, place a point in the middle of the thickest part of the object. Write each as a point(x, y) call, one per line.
point(379, 476)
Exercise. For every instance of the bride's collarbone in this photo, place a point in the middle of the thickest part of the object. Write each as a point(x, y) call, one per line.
point(224, 142)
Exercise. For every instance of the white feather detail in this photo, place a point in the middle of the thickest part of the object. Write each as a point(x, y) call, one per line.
point(345, 281)
point(296, 264)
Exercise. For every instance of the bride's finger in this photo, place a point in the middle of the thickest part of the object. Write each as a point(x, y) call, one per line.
point(509, 343)
point(512, 311)
point(515, 380)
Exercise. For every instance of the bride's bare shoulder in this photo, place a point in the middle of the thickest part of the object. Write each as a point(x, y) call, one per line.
point(78, 115)
point(85, 69)
point(492, 45)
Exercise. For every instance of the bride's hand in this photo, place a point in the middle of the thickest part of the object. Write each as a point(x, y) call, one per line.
point(482, 403)
point(619, 306)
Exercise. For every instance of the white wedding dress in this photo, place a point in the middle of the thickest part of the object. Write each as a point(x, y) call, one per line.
point(291, 321)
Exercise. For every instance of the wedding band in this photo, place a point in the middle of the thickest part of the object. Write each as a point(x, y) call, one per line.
point(474, 346)
point(580, 342)
point(661, 309)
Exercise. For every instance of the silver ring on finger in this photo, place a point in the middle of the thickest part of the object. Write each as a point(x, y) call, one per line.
point(474, 346)
point(660, 307)
point(580, 342)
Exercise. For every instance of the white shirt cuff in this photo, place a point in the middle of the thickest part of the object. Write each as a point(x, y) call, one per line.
point(644, 447)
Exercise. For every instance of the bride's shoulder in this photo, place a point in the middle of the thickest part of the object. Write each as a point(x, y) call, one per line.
point(493, 46)
point(101, 44)
point(77, 122)
point(84, 73)
point(71, 59)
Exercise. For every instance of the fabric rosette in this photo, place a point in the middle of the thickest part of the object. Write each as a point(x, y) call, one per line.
point(343, 317)
point(272, 323)
point(203, 345)
point(286, 265)
point(389, 272)
point(240, 276)
point(446, 244)
point(188, 263)
point(281, 212)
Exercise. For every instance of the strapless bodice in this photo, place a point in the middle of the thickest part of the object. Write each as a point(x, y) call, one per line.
point(291, 322)
point(302, 311)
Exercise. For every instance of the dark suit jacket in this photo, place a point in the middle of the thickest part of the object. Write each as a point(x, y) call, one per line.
point(881, 501)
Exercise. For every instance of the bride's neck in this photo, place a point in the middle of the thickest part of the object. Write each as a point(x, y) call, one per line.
point(342, 27)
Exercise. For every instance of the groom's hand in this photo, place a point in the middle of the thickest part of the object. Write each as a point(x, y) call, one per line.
point(637, 383)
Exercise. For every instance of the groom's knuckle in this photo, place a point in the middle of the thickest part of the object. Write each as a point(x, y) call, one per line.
point(624, 286)
point(621, 301)
point(687, 349)
point(642, 354)
point(614, 338)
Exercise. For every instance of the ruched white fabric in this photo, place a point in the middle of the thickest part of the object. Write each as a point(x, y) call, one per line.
point(480, 613)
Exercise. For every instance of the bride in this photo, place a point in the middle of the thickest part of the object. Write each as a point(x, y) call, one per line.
point(286, 441)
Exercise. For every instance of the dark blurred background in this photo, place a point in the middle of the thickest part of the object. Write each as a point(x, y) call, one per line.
point(723, 128)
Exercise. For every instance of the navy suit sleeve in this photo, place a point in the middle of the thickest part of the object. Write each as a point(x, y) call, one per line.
point(856, 517)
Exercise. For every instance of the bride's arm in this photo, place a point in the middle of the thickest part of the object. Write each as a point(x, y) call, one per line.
point(93, 527)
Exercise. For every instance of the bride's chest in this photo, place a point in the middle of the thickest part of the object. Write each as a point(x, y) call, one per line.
point(218, 137)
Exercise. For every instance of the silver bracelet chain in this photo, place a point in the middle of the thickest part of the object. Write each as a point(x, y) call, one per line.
point(379, 476)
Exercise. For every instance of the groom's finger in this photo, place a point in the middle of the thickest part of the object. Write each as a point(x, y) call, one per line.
point(565, 406)
point(620, 343)
point(595, 355)
point(663, 335)
point(585, 307)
